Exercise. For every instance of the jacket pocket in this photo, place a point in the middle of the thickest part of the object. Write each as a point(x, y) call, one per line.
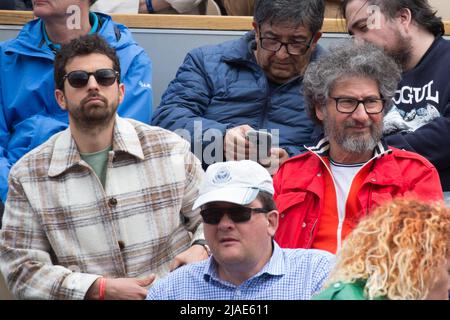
point(287, 200)
point(293, 228)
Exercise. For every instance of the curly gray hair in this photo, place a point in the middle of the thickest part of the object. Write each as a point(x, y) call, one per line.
point(349, 59)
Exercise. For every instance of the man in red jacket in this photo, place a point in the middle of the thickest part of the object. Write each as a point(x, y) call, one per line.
point(322, 194)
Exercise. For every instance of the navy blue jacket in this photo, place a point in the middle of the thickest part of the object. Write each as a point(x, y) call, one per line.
point(222, 87)
point(423, 101)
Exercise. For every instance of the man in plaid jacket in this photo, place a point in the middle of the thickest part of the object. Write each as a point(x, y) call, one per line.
point(103, 207)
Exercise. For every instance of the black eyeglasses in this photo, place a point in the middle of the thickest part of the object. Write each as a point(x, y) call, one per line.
point(295, 48)
point(80, 78)
point(236, 214)
point(349, 105)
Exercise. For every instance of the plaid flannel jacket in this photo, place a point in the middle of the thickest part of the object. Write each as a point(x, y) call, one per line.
point(62, 229)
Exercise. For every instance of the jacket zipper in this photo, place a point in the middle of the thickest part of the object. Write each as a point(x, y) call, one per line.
point(342, 219)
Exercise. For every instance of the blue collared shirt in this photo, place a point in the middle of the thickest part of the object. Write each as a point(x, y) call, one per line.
point(290, 274)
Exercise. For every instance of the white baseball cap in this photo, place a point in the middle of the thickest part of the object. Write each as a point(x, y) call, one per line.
point(237, 182)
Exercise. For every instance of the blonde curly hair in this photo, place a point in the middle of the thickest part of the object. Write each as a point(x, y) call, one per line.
point(396, 250)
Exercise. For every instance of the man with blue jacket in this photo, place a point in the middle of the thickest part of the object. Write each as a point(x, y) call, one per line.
point(29, 113)
point(224, 91)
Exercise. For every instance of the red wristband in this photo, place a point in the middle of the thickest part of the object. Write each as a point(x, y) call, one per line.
point(102, 289)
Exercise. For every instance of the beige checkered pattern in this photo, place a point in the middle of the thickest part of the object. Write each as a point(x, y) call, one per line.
point(62, 229)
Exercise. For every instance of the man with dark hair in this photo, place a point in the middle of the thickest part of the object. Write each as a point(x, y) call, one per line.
point(411, 33)
point(223, 92)
point(105, 201)
point(240, 220)
point(323, 193)
point(29, 113)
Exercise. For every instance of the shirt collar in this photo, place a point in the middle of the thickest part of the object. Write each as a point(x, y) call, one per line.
point(389, 174)
point(276, 266)
point(65, 153)
point(322, 148)
point(93, 19)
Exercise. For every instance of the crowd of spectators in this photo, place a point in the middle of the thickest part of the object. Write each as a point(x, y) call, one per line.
point(273, 168)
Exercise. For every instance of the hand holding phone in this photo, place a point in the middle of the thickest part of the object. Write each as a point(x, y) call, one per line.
point(236, 143)
point(260, 145)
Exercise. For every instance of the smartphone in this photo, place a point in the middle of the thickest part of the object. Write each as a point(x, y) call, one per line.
point(262, 140)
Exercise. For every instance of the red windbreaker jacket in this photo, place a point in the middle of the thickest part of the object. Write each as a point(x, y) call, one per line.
point(300, 188)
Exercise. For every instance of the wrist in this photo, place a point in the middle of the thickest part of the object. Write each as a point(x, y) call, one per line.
point(102, 289)
point(92, 292)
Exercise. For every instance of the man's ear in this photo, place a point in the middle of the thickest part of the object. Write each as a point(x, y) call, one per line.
point(257, 31)
point(272, 222)
point(404, 17)
point(121, 92)
point(314, 41)
point(255, 26)
point(59, 96)
point(320, 112)
point(317, 36)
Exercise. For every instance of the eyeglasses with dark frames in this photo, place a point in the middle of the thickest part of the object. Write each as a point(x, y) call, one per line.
point(295, 48)
point(236, 214)
point(349, 105)
point(80, 78)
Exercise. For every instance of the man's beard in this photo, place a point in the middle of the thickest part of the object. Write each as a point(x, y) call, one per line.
point(353, 143)
point(96, 115)
point(402, 52)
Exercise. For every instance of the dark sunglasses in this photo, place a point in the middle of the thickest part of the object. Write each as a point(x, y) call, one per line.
point(236, 214)
point(80, 78)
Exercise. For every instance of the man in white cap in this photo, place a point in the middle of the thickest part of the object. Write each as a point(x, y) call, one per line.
point(240, 220)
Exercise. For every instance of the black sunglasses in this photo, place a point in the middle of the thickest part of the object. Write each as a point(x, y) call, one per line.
point(80, 78)
point(236, 214)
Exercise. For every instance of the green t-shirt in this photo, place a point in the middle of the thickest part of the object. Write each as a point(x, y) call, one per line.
point(98, 162)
